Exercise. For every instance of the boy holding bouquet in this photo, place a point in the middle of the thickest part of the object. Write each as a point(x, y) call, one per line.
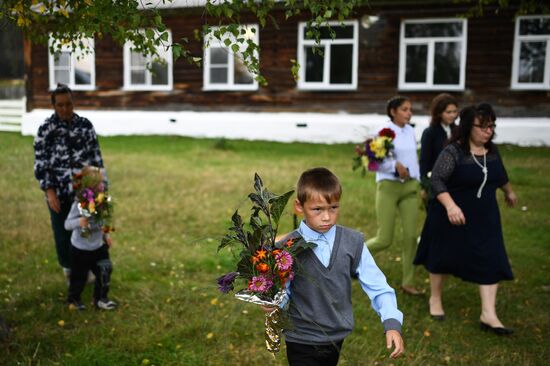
point(320, 293)
point(90, 239)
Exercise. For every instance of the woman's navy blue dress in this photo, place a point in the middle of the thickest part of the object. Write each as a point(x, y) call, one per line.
point(474, 252)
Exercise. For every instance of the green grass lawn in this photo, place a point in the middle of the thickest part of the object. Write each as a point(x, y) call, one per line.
point(175, 197)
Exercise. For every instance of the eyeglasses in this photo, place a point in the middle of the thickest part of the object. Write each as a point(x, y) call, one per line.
point(486, 127)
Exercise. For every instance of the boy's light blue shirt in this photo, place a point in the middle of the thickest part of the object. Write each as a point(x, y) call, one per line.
point(371, 278)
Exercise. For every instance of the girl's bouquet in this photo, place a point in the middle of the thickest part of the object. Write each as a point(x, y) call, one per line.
point(374, 151)
point(94, 200)
point(264, 264)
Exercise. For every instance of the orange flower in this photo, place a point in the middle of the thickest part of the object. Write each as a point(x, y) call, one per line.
point(262, 267)
point(274, 252)
point(254, 259)
point(289, 243)
point(261, 253)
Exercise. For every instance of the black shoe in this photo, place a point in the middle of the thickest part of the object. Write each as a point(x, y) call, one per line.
point(76, 305)
point(501, 331)
point(438, 318)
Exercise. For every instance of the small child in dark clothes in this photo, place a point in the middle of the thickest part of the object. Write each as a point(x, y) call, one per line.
point(89, 253)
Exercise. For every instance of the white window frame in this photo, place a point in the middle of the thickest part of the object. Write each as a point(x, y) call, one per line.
point(430, 42)
point(212, 42)
point(325, 84)
point(148, 86)
point(71, 68)
point(515, 84)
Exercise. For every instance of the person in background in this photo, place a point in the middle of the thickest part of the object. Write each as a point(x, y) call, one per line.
point(64, 144)
point(397, 186)
point(444, 111)
point(462, 234)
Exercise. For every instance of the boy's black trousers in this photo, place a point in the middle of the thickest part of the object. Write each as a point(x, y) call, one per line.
point(309, 355)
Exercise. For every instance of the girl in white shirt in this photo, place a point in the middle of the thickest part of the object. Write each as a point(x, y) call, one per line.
point(397, 187)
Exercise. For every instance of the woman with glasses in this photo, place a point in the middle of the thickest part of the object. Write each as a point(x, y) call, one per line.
point(462, 234)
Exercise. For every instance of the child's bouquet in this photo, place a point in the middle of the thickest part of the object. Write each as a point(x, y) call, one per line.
point(265, 265)
point(94, 201)
point(374, 151)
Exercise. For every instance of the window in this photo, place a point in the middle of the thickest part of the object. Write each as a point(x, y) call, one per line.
point(335, 66)
point(531, 65)
point(147, 72)
point(432, 54)
point(225, 69)
point(75, 68)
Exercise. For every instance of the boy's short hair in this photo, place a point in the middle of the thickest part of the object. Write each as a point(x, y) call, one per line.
point(319, 181)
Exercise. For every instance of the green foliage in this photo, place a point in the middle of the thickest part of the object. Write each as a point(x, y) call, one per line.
point(524, 7)
point(267, 208)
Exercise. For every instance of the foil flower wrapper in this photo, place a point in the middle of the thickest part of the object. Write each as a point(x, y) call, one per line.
point(273, 319)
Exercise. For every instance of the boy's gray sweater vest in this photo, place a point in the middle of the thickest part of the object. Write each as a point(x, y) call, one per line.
point(320, 299)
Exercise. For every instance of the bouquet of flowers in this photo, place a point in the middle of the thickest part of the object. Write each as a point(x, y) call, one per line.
point(374, 151)
point(264, 264)
point(94, 201)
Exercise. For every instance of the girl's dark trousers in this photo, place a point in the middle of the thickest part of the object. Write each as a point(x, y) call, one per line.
point(99, 263)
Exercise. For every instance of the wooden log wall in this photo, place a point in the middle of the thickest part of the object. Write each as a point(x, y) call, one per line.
point(488, 70)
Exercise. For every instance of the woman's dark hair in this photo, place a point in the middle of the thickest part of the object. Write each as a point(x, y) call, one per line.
point(61, 89)
point(439, 104)
point(394, 103)
point(484, 113)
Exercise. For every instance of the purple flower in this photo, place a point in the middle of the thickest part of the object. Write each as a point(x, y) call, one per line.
point(225, 282)
point(88, 194)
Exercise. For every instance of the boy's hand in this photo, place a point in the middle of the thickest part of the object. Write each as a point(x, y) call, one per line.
point(393, 336)
point(268, 309)
point(84, 222)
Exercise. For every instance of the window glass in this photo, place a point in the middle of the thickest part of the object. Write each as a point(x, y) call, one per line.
point(314, 64)
point(218, 75)
point(534, 26)
point(159, 73)
point(340, 32)
point(242, 75)
point(138, 77)
point(447, 63)
point(341, 69)
point(443, 29)
point(531, 62)
point(218, 55)
point(416, 63)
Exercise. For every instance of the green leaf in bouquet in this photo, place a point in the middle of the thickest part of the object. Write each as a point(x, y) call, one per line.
point(300, 245)
point(258, 183)
point(243, 267)
point(254, 239)
point(238, 228)
point(259, 202)
point(277, 206)
point(225, 241)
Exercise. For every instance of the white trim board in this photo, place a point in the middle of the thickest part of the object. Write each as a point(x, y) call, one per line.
point(328, 128)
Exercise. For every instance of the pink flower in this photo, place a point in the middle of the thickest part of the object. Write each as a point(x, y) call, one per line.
point(259, 284)
point(284, 261)
point(373, 165)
